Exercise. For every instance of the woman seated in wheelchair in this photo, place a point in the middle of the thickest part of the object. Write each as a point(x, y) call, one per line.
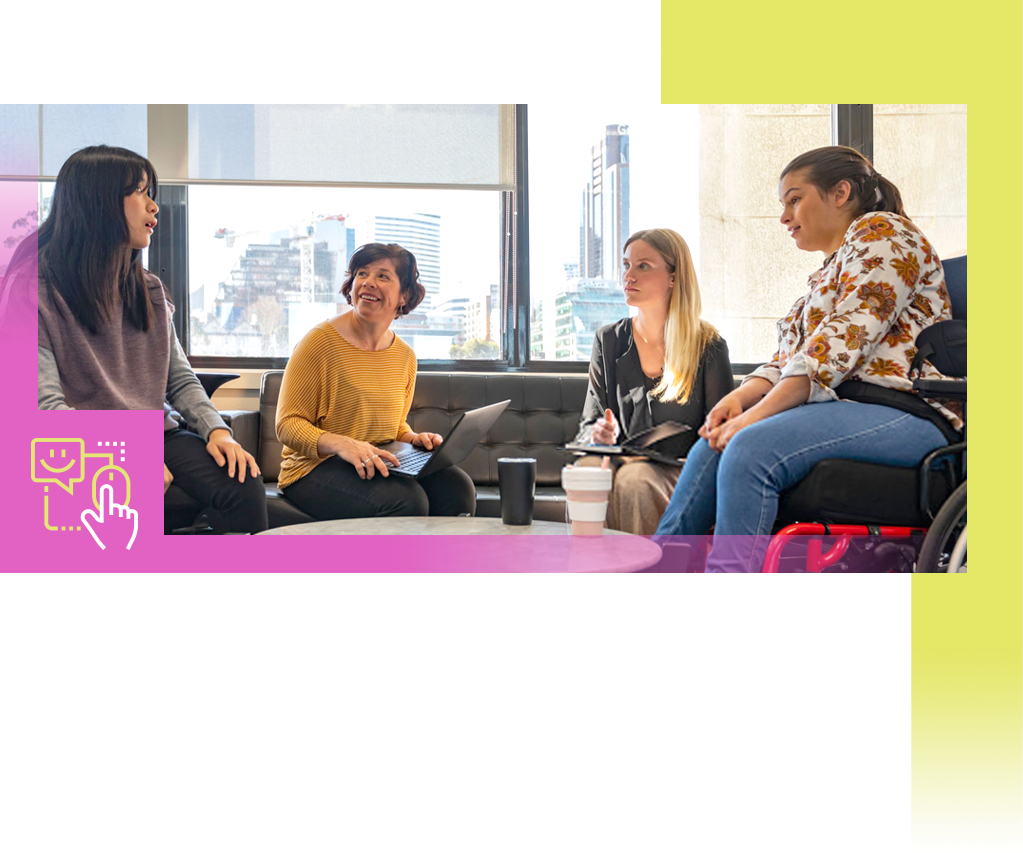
point(880, 285)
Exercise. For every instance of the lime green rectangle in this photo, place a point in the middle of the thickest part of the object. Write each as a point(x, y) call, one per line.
point(967, 651)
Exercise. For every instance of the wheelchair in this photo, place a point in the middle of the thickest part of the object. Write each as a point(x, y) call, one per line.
point(881, 518)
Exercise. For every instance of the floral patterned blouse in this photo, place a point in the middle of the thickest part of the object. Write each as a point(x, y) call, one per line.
point(862, 312)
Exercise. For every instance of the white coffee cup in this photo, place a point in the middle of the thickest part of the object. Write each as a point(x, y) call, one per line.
point(587, 489)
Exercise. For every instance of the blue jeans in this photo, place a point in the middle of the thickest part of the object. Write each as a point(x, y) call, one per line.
point(737, 490)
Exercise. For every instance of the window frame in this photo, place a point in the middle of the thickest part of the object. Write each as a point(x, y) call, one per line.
point(852, 124)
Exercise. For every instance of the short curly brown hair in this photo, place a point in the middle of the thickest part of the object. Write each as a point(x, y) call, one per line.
point(404, 265)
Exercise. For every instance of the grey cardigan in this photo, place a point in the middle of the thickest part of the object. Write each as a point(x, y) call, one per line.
point(89, 362)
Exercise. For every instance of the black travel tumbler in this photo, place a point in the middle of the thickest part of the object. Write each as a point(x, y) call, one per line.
point(517, 481)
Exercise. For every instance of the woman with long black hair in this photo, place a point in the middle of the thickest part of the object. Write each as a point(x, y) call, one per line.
point(106, 340)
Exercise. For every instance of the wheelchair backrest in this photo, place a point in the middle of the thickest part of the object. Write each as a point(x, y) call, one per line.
point(955, 281)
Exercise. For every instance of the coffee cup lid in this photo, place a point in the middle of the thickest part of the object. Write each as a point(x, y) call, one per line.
point(576, 477)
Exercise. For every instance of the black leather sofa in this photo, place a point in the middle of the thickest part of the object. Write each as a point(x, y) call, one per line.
point(543, 415)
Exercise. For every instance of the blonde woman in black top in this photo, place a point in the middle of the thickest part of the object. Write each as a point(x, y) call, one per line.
point(664, 364)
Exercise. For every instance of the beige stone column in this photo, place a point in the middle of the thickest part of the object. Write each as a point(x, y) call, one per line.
point(751, 272)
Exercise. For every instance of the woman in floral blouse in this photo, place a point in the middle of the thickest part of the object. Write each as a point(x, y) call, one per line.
point(880, 285)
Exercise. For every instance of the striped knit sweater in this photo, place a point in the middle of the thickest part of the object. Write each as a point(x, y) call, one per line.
point(332, 386)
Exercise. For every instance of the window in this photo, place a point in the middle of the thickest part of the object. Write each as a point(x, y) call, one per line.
point(710, 172)
point(278, 197)
point(264, 204)
point(266, 264)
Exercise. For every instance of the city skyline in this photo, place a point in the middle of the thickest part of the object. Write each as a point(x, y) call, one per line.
point(604, 219)
point(563, 322)
point(470, 219)
point(277, 289)
point(300, 269)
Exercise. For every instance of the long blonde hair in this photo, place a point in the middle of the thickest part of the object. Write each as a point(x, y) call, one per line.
point(686, 336)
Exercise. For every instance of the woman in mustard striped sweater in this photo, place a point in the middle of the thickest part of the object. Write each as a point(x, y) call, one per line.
point(347, 388)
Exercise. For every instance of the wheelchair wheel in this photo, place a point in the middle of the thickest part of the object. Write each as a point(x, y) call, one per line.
point(944, 549)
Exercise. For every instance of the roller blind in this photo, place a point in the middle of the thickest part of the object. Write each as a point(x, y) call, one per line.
point(405, 144)
point(442, 145)
point(35, 139)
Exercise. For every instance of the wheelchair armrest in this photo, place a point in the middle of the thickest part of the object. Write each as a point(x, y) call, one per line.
point(950, 389)
point(245, 426)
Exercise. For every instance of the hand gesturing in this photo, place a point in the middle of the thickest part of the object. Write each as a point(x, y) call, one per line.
point(114, 520)
point(605, 430)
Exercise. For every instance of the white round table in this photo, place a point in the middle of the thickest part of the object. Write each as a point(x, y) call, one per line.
point(543, 546)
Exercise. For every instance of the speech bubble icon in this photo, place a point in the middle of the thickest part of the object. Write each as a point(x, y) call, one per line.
point(58, 460)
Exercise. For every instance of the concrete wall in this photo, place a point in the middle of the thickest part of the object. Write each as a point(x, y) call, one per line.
point(922, 149)
point(751, 272)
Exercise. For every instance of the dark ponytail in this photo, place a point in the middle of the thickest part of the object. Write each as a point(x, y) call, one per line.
point(870, 191)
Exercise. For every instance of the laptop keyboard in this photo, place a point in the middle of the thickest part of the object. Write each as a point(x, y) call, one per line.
point(412, 460)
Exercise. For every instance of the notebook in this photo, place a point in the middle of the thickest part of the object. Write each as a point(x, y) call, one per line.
point(663, 443)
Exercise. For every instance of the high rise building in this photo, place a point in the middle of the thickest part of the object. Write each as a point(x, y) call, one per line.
point(274, 293)
point(483, 317)
point(563, 325)
point(604, 222)
point(420, 234)
point(340, 240)
point(433, 327)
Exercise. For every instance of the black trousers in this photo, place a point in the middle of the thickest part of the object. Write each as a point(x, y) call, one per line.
point(333, 489)
point(235, 507)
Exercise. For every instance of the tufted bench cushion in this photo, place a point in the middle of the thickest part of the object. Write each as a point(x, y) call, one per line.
point(543, 415)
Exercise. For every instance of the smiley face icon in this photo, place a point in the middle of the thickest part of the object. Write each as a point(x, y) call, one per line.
point(58, 460)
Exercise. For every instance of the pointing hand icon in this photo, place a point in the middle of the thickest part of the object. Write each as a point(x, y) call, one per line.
point(114, 519)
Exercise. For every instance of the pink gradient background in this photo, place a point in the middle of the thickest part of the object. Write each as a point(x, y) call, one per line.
point(32, 548)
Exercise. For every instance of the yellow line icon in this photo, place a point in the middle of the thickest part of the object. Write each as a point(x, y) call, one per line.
point(61, 461)
point(54, 460)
